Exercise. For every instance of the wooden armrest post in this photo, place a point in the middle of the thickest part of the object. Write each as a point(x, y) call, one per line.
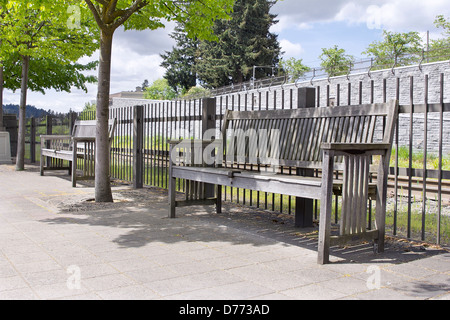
point(325, 207)
point(381, 199)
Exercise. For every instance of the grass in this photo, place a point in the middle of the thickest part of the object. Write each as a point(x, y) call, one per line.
point(415, 221)
point(417, 159)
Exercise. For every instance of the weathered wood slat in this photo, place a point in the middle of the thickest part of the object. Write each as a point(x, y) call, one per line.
point(324, 112)
point(80, 145)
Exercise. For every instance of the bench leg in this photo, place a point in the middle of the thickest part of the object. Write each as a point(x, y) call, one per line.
point(41, 166)
point(219, 199)
point(172, 197)
point(74, 170)
point(304, 208)
point(304, 212)
point(381, 205)
point(325, 209)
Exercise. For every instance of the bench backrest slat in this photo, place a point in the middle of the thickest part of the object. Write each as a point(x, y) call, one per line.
point(302, 131)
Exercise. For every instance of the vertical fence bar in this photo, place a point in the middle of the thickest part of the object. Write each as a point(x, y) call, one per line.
point(138, 146)
point(411, 124)
point(441, 134)
point(396, 162)
point(425, 146)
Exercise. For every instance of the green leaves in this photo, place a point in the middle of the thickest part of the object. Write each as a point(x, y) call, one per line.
point(395, 49)
point(293, 68)
point(160, 90)
point(335, 61)
point(41, 29)
point(197, 16)
point(243, 42)
point(44, 31)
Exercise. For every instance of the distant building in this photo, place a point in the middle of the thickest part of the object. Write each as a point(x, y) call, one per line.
point(138, 94)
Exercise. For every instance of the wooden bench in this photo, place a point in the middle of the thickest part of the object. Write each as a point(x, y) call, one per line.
point(57, 149)
point(331, 140)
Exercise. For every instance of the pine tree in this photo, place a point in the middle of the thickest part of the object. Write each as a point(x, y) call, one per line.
point(180, 62)
point(244, 41)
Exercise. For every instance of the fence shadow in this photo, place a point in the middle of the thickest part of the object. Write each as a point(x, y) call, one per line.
point(139, 217)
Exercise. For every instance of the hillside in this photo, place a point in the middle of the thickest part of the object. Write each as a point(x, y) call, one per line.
point(31, 111)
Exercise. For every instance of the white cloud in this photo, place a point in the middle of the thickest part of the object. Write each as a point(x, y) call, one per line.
point(135, 58)
point(291, 49)
point(129, 69)
point(406, 15)
point(393, 15)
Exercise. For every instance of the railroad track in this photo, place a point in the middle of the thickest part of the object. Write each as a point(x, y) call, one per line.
point(432, 187)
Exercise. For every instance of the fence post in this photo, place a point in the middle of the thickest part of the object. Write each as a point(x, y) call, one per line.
point(49, 131)
point(209, 122)
point(138, 146)
point(72, 118)
point(304, 207)
point(33, 140)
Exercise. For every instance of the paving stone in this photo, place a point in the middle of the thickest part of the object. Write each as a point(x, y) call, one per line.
point(131, 250)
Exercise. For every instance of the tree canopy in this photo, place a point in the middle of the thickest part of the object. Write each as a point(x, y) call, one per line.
point(335, 61)
point(41, 33)
point(180, 62)
point(242, 42)
point(396, 49)
point(160, 90)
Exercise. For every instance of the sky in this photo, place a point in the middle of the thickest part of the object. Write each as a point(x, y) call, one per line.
point(305, 27)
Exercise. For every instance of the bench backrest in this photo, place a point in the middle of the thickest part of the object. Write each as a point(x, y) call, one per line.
point(301, 132)
point(87, 128)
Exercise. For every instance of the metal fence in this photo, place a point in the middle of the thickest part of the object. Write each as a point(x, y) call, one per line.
point(415, 176)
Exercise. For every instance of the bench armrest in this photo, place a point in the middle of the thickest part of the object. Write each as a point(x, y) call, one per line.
point(356, 148)
point(55, 137)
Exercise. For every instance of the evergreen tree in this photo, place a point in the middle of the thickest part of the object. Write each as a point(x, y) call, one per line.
point(180, 62)
point(244, 41)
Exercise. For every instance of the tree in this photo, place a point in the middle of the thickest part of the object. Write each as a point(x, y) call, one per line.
point(440, 48)
point(46, 73)
point(245, 41)
point(160, 90)
point(197, 17)
point(293, 68)
point(180, 62)
point(88, 111)
point(2, 128)
point(396, 49)
point(145, 84)
point(40, 30)
point(335, 61)
point(196, 93)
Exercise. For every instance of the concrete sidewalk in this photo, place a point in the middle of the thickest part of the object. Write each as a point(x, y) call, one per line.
point(55, 243)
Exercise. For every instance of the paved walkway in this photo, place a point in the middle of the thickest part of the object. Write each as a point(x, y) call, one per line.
point(56, 244)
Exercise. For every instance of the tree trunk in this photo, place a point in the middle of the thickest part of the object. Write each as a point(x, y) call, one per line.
point(102, 153)
point(20, 161)
point(2, 128)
